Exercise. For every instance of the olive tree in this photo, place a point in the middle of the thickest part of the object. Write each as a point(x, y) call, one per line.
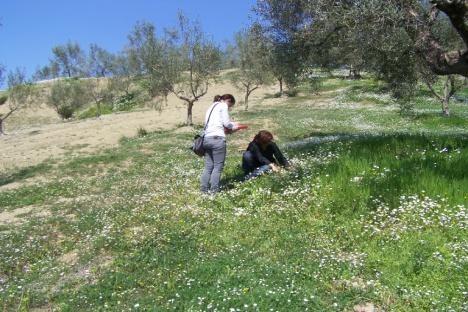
point(70, 58)
point(282, 22)
point(66, 96)
point(252, 65)
point(147, 58)
point(450, 85)
point(99, 65)
point(67, 60)
point(192, 64)
point(99, 61)
point(390, 28)
point(47, 72)
point(20, 92)
point(98, 91)
point(121, 74)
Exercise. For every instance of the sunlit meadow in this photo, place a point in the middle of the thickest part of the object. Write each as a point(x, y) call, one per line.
point(373, 212)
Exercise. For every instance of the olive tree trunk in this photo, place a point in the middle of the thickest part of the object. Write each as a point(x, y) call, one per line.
point(190, 113)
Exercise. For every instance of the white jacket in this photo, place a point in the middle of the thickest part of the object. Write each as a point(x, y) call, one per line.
point(218, 121)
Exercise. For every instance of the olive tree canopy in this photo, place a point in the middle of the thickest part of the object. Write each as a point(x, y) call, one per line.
point(253, 70)
point(385, 35)
point(192, 63)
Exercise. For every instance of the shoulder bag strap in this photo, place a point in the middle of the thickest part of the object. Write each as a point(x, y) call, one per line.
point(206, 125)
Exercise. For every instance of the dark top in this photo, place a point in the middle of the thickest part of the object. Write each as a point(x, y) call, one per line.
point(271, 154)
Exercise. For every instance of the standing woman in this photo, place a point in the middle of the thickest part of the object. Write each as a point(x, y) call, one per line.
point(216, 121)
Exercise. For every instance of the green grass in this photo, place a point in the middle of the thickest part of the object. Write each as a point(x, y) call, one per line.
point(24, 173)
point(91, 111)
point(374, 211)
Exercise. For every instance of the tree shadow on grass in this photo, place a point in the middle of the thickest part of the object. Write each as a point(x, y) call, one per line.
point(401, 165)
point(436, 119)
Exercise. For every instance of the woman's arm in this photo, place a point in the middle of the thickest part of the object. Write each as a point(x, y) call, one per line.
point(278, 155)
point(255, 149)
point(225, 120)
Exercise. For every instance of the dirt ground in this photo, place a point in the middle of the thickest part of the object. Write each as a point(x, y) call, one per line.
point(37, 135)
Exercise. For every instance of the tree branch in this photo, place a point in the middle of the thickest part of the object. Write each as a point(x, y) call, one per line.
point(441, 62)
point(180, 96)
point(453, 87)
point(456, 10)
point(203, 92)
point(433, 91)
point(253, 89)
point(12, 110)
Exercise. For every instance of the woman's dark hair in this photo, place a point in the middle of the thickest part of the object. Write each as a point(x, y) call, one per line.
point(225, 97)
point(263, 137)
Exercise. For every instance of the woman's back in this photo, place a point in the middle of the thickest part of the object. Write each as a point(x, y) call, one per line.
point(218, 120)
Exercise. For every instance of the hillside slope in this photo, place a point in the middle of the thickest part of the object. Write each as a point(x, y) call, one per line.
point(35, 135)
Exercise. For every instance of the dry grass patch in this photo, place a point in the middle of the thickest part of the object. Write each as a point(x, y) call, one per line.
point(20, 215)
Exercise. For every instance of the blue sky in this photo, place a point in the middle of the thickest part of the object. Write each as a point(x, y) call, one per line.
point(30, 28)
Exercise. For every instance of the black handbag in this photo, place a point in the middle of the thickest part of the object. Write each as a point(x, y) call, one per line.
point(197, 146)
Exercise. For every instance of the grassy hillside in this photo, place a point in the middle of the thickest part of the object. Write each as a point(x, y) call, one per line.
point(372, 212)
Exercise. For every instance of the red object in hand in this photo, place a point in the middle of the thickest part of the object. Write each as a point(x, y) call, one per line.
point(237, 126)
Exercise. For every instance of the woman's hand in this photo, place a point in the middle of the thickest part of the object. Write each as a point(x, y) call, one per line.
point(236, 126)
point(274, 167)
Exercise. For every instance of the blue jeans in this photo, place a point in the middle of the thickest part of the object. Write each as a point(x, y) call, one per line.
point(248, 164)
point(215, 154)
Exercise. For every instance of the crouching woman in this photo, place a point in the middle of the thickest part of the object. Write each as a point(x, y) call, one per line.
point(262, 156)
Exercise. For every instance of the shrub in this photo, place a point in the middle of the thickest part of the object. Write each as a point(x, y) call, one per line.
point(315, 85)
point(91, 111)
point(406, 107)
point(291, 92)
point(141, 132)
point(65, 111)
point(125, 102)
point(273, 96)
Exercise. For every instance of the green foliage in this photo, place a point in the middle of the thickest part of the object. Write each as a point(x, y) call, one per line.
point(291, 92)
point(142, 132)
point(99, 61)
point(65, 112)
point(3, 99)
point(24, 173)
point(67, 96)
point(149, 57)
point(314, 84)
point(394, 40)
point(99, 91)
point(92, 111)
point(124, 102)
point(253, 68)
point(68, 60)
point(20, 90)
point(274, 95)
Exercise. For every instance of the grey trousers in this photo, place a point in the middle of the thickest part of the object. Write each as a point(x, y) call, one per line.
point(215, 154)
